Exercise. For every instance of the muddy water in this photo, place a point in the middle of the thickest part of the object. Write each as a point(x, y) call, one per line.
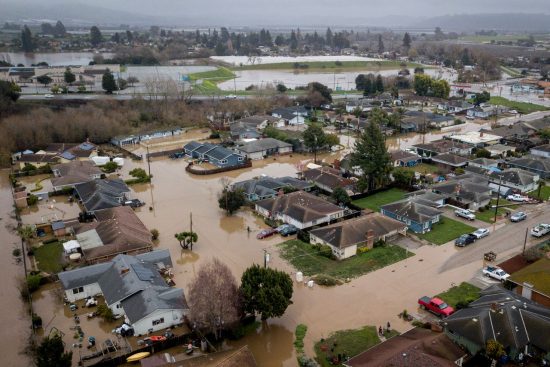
point(14, 317)
point(54, 208)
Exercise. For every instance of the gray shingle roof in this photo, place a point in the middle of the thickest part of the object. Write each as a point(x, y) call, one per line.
point(83, 276)
point(101, 194)
point(151, 299)
point(412, 210)
point(263, 144)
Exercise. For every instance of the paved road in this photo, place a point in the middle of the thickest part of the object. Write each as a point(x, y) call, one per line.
point(507, 237)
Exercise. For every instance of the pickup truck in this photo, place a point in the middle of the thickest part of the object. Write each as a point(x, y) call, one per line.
point(517, 197)
point(436, 306)
point(466, 214)
point(540, 230)
point(495, 273)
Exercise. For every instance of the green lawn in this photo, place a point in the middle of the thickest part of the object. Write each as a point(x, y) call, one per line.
point(307, 259)
point(511, 71)
point(331, 65)
point(544, 193)
point(499, 37)
point(423, 168)
point(463, 293)
point(210, 80)
point(446, 230)
point(374, 202)
point(489, 215)
point(348, 343)
point(521, 107)
point(49, 257)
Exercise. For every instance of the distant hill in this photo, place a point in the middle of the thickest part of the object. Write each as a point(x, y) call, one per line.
point(477, 22)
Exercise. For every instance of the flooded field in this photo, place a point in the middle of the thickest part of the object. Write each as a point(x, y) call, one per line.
point(335, 79)
point(245, 60)
point(53, 58)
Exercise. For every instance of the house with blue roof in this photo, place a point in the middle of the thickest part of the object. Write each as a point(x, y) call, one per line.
point(134, 287)
point(214, 154)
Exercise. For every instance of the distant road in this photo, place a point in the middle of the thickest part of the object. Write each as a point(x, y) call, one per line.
point(118, 97)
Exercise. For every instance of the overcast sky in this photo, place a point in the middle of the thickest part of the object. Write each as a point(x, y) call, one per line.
point(255, 12)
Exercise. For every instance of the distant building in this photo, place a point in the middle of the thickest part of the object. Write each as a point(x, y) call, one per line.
point(262, 188)
point(213, 153)
point(263, 148)
point(428, 150)
point(329, 179)
point(401, 158)
point(449, 162)
point(68, 175)
point(291, 115)
point(475, 139)
point(122, 140)
point(533, 163)
point(541, 151)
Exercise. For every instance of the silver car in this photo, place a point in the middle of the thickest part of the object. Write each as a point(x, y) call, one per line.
point(480, 233)
point(518, 217)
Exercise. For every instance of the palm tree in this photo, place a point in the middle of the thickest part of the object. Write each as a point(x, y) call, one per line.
point(186, 239)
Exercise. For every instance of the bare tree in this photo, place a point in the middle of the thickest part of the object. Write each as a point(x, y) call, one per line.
point(214, 298)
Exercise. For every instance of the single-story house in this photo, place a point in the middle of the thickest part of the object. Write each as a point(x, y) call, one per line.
point(37, 160)
point(500, 150)
point(241, 131)
point(521, 130)
point(449, 162)
point(541, 151)
point(213, 153)
point(259, 149)
point(468, 191)
point(417, 347)
point(533, 163)
point(101, 194)
point(136, 138)
point(486, 111)
point(267, 187)
point(485, 163)
point(419, 218)
point(401, 158)
point(428, 198)
point(114, 231)
point(346, 237)
point(533, 281)
point(291, 115)
point(455, 107)
point(134, 287)
point(74, 173)
point(428, 150)
point(475, 139)
point(300, 209)
point(514, 178)
point(517, 323)
point(328, 179)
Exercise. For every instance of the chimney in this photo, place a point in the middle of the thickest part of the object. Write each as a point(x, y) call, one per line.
point(369, 236)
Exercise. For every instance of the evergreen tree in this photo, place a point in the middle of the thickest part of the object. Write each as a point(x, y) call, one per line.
point(372, 157)
point(108, 83)
point(293, 41)
point(379, 85)
point(59, 29)
point(27, 43)
point(407, 41)
point(328, 38)
point(380, 44)
point(129, 37)
point(51, 353)
point(116, 38)
point(68, 76)
point(95, 36)
point(266, 291)
point(314, 139)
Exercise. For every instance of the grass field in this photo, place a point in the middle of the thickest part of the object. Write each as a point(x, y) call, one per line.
point(348, 343)
point(521, 107)
point(446, 230)
point(510, 71)
point(307, 259)
point(324, 65)
point(463, 293)
point(497, 38)
point(48, 257)
point(374, 202)
point(489, 215)
point(210, 80)
point(544, 193)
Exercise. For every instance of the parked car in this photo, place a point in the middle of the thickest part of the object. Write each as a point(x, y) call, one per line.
point(48, 96)
point(495, 273)
point(518, 217)
point(466, 214)
point(480, 233)
point(517, 198)
point(288, 230)
point(465, 240)
point(436, 306)
point(134, 203)
point(540, 230)
point(266, 233)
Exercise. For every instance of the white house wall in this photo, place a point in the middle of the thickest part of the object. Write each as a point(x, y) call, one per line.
point(171, 317)
point(88, 291)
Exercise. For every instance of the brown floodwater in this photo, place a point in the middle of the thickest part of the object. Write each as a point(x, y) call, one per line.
point(14, 317)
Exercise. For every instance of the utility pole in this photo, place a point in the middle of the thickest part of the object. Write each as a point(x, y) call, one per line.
point(191, 229)
point(525, 240)
point(496, 207)
point(148, 162)
point(266, 258)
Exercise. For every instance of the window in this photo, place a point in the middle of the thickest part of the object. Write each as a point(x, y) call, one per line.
point(78, 290)
point(240, 159)
point(158, 321)
point(223, 161)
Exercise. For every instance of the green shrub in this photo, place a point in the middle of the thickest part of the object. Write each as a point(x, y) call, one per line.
point(33, 282)
point(154, 234)
point(326, 280)
point(300, 333)
point(32, 200)
point(16, 252)
point(105, 312)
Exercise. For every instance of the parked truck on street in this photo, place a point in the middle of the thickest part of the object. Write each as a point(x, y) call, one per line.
point(540, 230)
point(495, 273)
point(436, 305)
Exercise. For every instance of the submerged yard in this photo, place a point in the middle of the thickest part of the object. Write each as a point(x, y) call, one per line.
point(310, 261)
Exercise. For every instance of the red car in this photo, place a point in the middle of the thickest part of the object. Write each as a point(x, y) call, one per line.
point(436, 306)
point(266, 233)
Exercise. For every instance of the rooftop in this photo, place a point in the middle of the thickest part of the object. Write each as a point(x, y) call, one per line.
point(263, 144)
point(474, 138)
point(412, 210)
point(537, 274)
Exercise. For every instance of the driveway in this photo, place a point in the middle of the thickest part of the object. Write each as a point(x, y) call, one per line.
point(448, 211)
